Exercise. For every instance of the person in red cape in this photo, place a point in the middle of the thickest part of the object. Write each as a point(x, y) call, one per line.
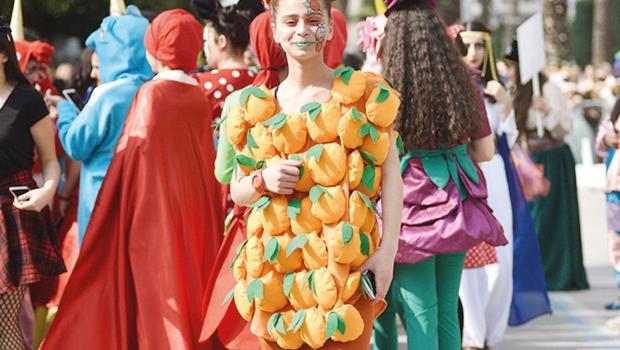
point(155, 230)
point(222, 322)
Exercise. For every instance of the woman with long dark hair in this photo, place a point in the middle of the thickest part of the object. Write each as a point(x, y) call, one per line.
point(543, 123)
point(30, 250)
point(445, 133)
point(486, 285)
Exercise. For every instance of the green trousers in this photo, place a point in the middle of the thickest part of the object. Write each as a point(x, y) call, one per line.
point(425, 297)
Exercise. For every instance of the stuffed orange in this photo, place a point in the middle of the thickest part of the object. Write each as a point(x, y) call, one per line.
point(236, 126)
point(349, 128)
point(382, 106)
point(315, 252)
point(278, 324)
point(343, 242)
point(305, 181)
point(313, 328)
point(325, 284)
point(328, 203)
point(302, 220)
point(353, 323)
point(298, 287)
point(322, 121)
point(254, 225)
point(366, 249)
point(355, 168)
point(351, 286)
point(289, 132)
point(245, 306)
point(284, 262)
point(260, 143)
point(349, 85)
point(371, 181)
point(254, 252)
point(377, 145)
point(259, 104)
point(275, 217)
point(272, 298)
point(327, 163)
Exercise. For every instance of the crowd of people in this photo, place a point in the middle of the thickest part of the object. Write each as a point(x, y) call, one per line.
point(222, 180)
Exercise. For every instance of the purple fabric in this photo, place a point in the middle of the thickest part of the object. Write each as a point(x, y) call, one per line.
point(436, 221)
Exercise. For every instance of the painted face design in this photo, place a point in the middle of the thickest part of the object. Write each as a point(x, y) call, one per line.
point(313, 7)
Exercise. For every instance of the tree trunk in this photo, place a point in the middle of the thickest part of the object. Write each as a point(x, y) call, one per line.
point(602, 31)
point(510, 22)
point(556, 30)
point(486, 11)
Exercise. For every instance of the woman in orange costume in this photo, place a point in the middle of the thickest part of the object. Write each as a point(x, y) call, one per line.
point(312, 155)
point(150, 243)
point(232, 331)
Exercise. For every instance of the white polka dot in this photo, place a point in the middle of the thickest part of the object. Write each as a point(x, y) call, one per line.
point(230, 88)
point(217, 94)
point(215, 71)
point(222, 81)
point(208, 85)
point(236, 74)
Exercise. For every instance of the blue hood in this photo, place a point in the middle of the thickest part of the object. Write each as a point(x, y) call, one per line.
point(119, 44)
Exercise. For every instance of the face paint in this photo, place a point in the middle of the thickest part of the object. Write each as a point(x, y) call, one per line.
point(321, 33)
point(313, 6)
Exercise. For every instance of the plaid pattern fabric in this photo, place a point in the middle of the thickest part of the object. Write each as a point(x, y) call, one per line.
point(481, 255)
point(29, 249)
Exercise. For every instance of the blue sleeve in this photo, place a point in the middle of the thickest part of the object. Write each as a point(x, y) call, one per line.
point(80, 134)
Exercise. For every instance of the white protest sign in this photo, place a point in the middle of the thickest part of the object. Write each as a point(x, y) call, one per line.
point(532, 59)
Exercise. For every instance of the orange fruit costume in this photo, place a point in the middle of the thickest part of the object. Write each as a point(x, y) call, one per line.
point(296, 278)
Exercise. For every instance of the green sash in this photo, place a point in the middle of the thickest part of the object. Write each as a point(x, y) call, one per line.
point(441, 165)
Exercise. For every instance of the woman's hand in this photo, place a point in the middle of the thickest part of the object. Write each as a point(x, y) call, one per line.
point(34, 200)
point(501, 95)
point(282, 177)
point(611, 139)
point(538, 102)
point(52, 100)
point(381, 263)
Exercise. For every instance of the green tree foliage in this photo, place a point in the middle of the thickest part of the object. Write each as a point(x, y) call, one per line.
point(580, 38)
point(48, 18)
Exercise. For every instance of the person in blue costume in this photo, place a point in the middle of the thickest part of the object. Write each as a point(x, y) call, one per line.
point(90, 136)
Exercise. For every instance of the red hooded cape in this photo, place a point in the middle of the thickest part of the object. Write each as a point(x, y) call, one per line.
point(153, 235)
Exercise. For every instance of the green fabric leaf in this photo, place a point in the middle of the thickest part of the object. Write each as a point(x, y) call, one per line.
point(316, 192)
point(374, 134)
point(347, 232)
point(368, 177)
point(261, 203)
point(356, 114)
point(250, 141)
point(368, 202)
point(341, 326)
point(369, 158)
point(400, 145)
point(365, 129)
point(347, 74)
point(243, 97)
point(389, 82)
point(312, 284)
point(468, 167)
point(258, 92)
point(280, 325)
point(237, 253)
point(332, 323)
point(229, 296)
point(437, 170)
point(338, 71)
point(276, 122)
point(383, 94)
point(287, 283)
point(297, 321)
point(294, 208)
point(272, 250)
point(313, 109)
point(245, 160)
point(260, 164)
point(365, 244)
point(271, 323)
point(315, 152)
point(309, 277)
point(298, 242)
point(255, 290)
point(301, 167)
